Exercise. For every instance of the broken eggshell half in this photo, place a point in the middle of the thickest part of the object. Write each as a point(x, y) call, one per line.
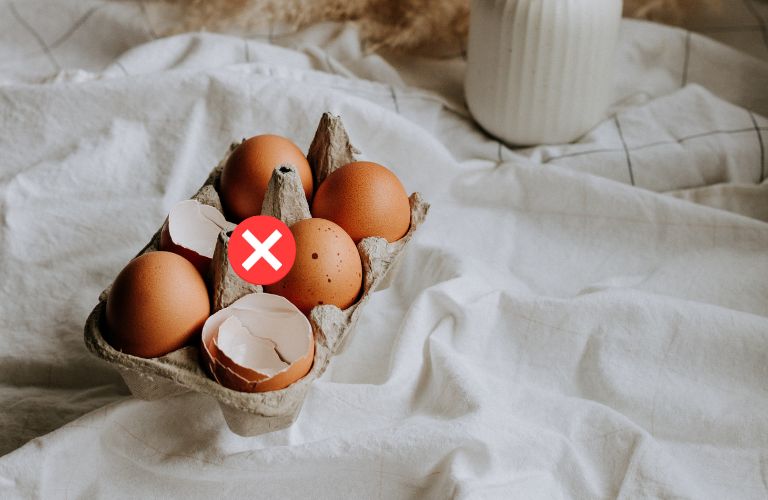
point(191, 230)
point(260, 343)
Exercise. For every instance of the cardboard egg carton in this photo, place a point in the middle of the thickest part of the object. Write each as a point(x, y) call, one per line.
point(249, 414)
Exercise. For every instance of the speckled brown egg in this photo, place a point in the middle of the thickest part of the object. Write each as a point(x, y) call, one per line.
point(157, 304)
point(327, 269)
point(246, 174)
point(365, 199)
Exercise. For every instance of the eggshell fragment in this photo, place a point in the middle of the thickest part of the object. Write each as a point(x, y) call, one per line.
point(190, 230)
point(260, 343)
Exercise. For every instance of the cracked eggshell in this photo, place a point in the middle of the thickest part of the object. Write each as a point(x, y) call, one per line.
point(260, 343)
point(191, 230)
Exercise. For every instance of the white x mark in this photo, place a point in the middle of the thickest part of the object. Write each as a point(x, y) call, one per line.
point(261, 250)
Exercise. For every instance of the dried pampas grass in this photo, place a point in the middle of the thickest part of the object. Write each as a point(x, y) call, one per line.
point(431, 26)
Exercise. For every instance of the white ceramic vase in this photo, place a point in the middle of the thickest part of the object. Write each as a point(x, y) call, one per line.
point(540, 71)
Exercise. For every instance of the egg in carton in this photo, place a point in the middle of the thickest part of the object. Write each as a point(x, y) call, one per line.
point(247, 413)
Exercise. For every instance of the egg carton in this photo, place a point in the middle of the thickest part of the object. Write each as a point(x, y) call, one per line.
point(249, 414)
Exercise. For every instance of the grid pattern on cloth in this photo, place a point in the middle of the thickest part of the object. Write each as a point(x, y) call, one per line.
point(557, 328)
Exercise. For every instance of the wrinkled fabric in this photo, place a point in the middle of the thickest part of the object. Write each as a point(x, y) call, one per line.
point(584, 320)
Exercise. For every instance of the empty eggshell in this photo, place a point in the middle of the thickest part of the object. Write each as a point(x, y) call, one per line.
point(190, 230)
point(260, 343)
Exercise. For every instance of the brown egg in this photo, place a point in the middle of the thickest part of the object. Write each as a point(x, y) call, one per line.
point(327, 269)
point(366, 199)
point(246, 174)
point(157, 304)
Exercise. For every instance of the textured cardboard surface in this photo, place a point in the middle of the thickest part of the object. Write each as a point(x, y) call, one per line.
point(255, 413)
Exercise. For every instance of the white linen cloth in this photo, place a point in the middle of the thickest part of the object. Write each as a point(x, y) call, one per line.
point(553, 331)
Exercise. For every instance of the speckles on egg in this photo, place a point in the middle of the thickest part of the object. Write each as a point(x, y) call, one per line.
point(327, 269)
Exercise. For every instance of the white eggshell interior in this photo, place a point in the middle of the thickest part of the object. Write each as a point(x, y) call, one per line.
point(247, 349)
point(260, 331)
point(195, 226)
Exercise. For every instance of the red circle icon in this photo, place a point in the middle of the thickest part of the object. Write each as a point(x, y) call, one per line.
point(261, 250)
